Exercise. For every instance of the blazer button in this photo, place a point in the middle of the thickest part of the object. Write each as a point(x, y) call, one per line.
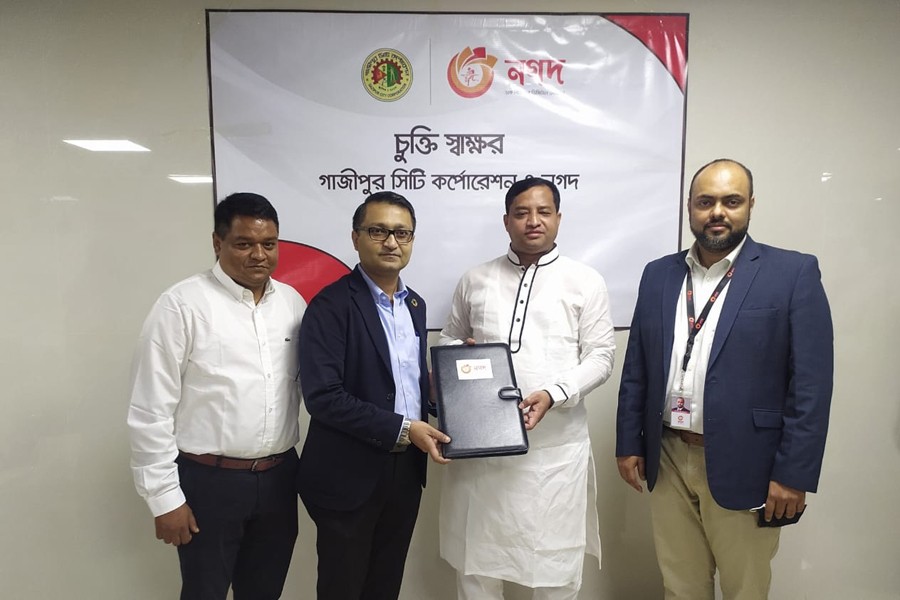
point(390, 396)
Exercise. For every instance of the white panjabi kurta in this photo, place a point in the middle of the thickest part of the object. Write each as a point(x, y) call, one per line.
point(530, 519)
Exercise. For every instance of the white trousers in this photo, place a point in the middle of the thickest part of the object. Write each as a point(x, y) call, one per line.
point(479, 587)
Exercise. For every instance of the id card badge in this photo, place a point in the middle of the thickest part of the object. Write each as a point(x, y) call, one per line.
point(680, 403)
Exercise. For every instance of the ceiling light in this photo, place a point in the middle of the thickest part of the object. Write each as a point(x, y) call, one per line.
point(191, 178)
point(108, 145)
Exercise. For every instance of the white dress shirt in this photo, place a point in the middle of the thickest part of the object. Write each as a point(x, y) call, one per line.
point(214, 373)
point(704, 281)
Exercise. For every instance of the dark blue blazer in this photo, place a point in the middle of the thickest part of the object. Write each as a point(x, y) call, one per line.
point(769, 379)
point(348, 389)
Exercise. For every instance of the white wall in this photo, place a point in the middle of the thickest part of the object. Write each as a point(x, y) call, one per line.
point(89, 240)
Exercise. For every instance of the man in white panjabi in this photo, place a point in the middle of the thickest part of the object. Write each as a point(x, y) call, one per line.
point(530, 519)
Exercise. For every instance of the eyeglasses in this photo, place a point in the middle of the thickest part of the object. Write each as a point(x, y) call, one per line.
point(380, 234)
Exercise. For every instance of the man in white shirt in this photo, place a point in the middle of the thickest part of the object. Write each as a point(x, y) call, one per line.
point(725, 393)
point(530, 519)
point(213, 414)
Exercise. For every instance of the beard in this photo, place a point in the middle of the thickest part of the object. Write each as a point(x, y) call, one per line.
point(720, 244)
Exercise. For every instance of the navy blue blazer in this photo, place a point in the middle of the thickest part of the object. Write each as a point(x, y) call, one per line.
point(348, 389)
point(769, 379)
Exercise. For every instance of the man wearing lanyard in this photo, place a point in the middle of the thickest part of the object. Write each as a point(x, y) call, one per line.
point(214, 408)
point(725, 410)
point(365, 384)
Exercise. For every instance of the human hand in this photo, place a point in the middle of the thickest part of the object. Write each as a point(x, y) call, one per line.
point(534, 407)
point(428, 439)
point(470, 341)
point(631, 469)
point(784, 501)
point(177, 526)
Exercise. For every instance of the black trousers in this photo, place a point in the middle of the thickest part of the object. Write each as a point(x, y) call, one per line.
point(362, 552)
point(248, 525)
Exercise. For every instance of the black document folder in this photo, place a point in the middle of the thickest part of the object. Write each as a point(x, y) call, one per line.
point(478, 401)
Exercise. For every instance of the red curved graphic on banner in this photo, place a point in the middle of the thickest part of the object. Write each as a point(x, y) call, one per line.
point(664, 35)
point(307, 269)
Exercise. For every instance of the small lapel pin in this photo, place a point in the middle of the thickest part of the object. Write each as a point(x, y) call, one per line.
point(414, 302)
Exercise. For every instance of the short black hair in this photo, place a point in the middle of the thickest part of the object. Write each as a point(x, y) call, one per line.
point(528, 183)
point(359, 214)
point(720, 160)
point(242, 204)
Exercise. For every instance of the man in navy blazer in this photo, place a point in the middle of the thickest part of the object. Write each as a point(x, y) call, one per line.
point(366, 387)
point(742, 332)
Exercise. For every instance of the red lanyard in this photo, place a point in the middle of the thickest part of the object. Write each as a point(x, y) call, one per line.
point(695, 325)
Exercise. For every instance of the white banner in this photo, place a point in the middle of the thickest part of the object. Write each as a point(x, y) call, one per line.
point(317, 110)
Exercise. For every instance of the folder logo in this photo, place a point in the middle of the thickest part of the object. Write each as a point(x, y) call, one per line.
point(478, 368)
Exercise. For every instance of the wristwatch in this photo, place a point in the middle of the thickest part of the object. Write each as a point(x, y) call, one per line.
point(403, 440)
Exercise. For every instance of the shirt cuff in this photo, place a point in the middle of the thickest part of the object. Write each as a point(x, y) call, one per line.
point(558, 394)
point(166, 502)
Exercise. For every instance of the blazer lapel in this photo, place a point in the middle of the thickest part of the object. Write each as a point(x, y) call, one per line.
point(671, 289)
point(745, 269)
point(362, 297)
point(416, 307)
point(417, 311)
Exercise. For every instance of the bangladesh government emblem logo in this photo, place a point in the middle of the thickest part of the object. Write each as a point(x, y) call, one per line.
point(471, 72)
point(387, 75)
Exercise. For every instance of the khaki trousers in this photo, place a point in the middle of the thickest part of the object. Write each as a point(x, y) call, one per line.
point(694, 535)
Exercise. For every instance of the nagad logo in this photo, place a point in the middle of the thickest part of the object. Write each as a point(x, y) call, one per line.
point(471, 72)
point(387, 74)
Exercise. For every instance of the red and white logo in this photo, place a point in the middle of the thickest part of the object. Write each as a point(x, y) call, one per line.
point(471, 72)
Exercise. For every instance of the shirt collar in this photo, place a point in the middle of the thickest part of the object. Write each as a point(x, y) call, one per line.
point(378, 294)
point(693, 260)
point(545, 259)
point(234, 288)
